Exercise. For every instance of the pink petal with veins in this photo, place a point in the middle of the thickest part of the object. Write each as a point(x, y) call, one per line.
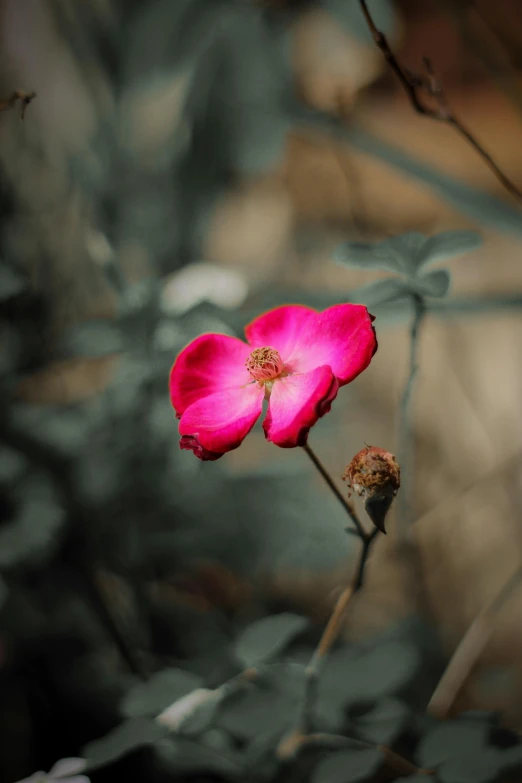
point(219, 422)
point(209, 364)
point(279, 328)
point(296, 403)
point(341, 337)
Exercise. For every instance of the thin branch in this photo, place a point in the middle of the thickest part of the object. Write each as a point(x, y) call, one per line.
point(393, 760)
point(467, 653)
point(24, 98)
point(414, 86)
point(328, 638)
point(406, 445)
point(337, 492)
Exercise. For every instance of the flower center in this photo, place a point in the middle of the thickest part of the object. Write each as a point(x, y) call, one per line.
point(264, 364)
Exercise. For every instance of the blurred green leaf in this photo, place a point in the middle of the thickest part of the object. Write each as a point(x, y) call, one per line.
point(448, 244)
point(92, 339)
point(11, 283)
point(452, 739)
point(4, 592)
point(478, 765)
point(182, 756)
point(125, 738)
point(163, 689)
point(367, 676)
point(384, 723)
point(380, 292)
point(268, 637)
point(30, 536)
point(433, 284)
point(406, 253)
point(348, 766)
point(414, 779)
point(396, 254)
point(255, 712)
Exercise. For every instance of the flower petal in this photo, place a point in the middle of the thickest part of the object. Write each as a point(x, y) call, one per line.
point(209, 364)
point(279, 328)
point(219, 422)
point(341, 337)
point(296, 403)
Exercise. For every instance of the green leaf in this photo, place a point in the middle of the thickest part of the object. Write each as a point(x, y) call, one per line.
point(381, 292)
point(11, 283)
point(397, 254)
point(348, 766)
point(182, 756)
point(415, 779)
point(125, 738)
point(256, 712)
point(450, 740)
point(92, 339)
point(433, 284)
point(384, 671)
point(448, 244)
point(384, 723)
point(406, 253)
point(163, 689)
point(268, 637)
point(480, 765)
point(32, 534)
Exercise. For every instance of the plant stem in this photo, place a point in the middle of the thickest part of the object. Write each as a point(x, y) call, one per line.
point(405, 439)
point(417, 88)
point(469, 650)
point(337, 492)
point(331, 632)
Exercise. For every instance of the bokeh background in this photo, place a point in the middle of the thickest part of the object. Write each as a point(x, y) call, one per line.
point(184, 166)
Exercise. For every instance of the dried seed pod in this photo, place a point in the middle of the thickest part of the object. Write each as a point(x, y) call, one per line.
point(375, 475)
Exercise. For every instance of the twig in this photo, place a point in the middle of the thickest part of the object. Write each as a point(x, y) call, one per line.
point(24, 98)
point(406, 446)
point(336, 741)
point(328, 638)
point(469, 650)
point(414, 85)
point(337, 492)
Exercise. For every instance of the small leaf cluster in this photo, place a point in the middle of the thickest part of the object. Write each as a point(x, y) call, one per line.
point(407, 256)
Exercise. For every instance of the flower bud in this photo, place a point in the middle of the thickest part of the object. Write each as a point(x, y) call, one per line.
point(375, 475)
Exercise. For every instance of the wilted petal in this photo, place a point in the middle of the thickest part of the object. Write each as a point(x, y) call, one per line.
point(341, 337)
point(279, 328)
point(209, 364)
point(219, 423)
point(296, 403)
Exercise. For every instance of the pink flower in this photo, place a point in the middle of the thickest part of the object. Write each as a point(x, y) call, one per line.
point(295, 357)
